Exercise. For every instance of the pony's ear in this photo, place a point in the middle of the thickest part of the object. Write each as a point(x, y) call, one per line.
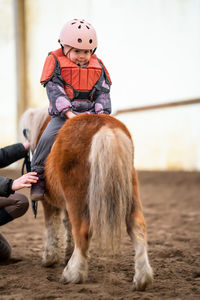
point(25, 133)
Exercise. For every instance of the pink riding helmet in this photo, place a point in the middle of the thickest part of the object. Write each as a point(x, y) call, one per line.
point(78, 34)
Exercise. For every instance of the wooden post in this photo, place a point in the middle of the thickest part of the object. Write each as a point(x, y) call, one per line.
point(20, 33)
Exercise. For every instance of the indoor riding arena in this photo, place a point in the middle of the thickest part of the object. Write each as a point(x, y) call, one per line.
point(151, 50)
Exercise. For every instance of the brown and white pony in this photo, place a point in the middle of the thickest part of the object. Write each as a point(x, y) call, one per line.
point(90, 176)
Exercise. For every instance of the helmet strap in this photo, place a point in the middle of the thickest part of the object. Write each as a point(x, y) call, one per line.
point(62, 49)
point(94, 50)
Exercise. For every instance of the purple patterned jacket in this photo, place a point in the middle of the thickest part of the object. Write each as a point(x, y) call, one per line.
point(59, 103)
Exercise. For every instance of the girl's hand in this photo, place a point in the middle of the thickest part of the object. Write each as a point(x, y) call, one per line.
point(70, 114)
point(24, 181)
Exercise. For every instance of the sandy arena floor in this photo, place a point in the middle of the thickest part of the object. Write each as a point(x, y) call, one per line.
point(171, 202)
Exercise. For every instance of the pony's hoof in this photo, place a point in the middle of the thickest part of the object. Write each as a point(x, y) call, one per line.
point(75, 279)
point(66, 280)
point(49, 260)
point(68, 277)
point(139, 287)
point(73, 276)
point(141, 282)
point(77, 268)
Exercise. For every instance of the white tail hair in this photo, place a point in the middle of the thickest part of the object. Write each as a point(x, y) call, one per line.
point(110, 190)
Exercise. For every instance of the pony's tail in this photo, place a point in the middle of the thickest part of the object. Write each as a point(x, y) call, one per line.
point(110, 189)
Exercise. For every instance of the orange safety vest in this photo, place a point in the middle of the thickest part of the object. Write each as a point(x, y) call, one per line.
point(79, 82)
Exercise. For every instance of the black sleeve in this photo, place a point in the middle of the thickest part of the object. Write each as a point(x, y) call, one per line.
point(12, 153)
point(5, 187)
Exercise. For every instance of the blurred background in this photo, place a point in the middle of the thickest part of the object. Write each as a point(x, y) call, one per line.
point(152, 51)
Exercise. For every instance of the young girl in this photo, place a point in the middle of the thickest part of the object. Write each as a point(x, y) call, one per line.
point(76, 82)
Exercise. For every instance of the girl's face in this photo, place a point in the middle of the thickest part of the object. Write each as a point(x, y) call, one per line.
point(79, 56)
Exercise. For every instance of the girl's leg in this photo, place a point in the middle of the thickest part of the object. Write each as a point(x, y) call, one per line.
point(42, 150)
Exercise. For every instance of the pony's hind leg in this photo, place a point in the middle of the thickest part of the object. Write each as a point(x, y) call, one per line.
point(136, 229)
point(52, 223)
point(68, 238)
point(77, 268)
point(143, 272)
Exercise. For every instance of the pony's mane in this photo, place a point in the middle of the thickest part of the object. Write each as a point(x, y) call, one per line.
point(32, 120)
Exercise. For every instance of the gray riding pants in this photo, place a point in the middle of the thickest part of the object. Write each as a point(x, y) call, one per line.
point(45, 143)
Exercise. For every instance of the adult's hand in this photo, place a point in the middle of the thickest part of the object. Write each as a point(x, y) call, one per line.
point(24, 181)
point(26, 145)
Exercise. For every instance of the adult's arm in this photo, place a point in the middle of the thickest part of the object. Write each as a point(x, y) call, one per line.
point(6, 186)
point(9, 186)
point(12, 153)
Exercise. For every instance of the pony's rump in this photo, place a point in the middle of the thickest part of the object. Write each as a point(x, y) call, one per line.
point(96, 152)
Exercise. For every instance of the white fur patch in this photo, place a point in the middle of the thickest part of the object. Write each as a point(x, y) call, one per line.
point(143, 271)
point(76, 269)
point(51, 253)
